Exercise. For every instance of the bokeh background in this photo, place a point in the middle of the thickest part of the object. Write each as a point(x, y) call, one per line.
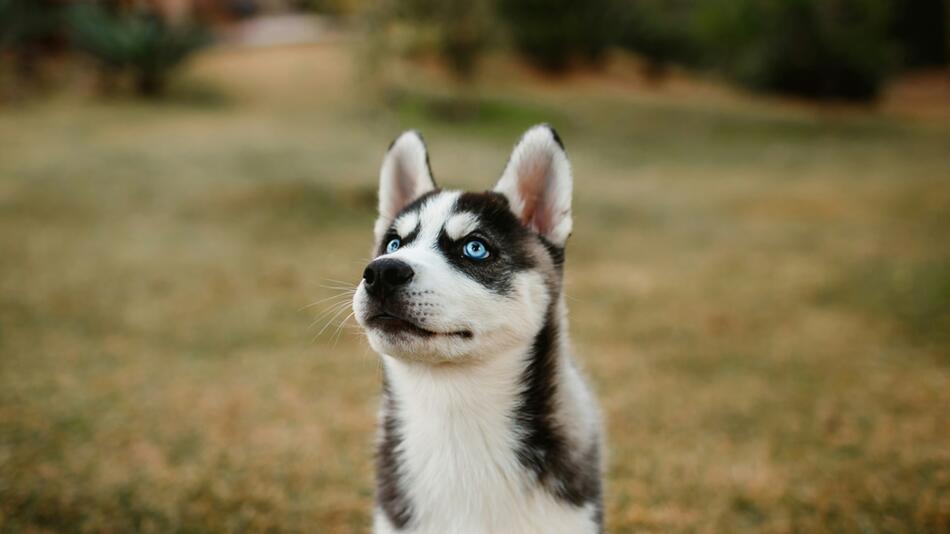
point(759, 277)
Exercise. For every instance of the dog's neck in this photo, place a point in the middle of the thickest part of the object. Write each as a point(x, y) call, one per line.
point(448, 429)
point(483, 390)
point(448, 390)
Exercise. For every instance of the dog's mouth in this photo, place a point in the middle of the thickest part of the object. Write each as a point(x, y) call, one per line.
point(393, 324)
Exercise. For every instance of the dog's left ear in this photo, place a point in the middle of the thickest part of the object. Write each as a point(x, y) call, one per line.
point(538, 184)
point(404, 177)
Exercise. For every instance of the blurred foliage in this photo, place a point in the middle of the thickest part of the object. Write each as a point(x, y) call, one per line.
point(921, 28)
point(814, 48)
point(136, 42)
point(659, 30)
point(27, 29)
point(457, 30)
point(553, 32)
point(23, 21)
point(330, 7)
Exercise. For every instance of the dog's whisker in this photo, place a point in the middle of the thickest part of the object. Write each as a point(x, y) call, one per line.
point(334, 305)
point(348, 283)
point(331, 311)
point(312, 304)
point(325, 326)
point(348, 292)
point(340, 288)
point(328, 315)
point(340, 328)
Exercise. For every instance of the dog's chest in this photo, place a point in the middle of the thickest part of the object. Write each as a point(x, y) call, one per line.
point(460, 467)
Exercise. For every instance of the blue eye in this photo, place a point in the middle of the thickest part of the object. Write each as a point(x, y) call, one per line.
point(475, 249)
point(393, 245)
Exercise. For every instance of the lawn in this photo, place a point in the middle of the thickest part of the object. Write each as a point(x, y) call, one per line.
point(759, 291)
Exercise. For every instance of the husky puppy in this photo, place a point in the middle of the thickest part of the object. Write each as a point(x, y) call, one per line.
point(486, 423)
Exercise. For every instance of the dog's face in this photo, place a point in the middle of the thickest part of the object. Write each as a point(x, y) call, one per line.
point(465, 275)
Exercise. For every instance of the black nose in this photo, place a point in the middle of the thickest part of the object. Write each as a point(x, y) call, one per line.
point(384, 276)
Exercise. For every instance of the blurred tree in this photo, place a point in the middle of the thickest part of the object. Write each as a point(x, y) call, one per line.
point(457, 30)
point(139, 42)
point(921, 27)
point(28, 29)
point(551, 33)
point(330, 7)
point(813, 48)
point(659, 30)
point(464, 27)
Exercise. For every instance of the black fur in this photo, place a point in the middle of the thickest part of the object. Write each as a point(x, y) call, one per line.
point(557, 138)
point(543, 449)
point(501, 231)
point(416, 204)
point(390, 494)
point(393, 234)
point(505, 236)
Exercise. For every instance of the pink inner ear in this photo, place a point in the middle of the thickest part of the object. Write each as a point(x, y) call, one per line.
point(533, 177)
point(405, 187)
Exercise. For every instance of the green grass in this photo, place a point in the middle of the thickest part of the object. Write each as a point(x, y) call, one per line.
point(759, 293)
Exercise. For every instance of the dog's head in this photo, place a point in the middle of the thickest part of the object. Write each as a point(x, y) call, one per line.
point(460, 275)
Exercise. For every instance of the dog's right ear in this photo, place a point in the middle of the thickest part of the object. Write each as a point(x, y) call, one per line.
point(537, 183)
point(404, 177)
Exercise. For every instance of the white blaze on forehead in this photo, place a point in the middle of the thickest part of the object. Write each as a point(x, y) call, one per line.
point(461, 224)
point(433, 216)
point(405, 224)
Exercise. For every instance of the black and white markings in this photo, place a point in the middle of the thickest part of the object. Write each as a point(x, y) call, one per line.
point(486, 422)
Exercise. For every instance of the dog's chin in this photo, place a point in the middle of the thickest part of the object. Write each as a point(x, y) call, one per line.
point(409, 341)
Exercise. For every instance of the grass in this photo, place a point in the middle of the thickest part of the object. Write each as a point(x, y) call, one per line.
point(758, 291)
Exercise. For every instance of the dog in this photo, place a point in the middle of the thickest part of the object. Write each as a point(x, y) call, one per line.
point(486, 423)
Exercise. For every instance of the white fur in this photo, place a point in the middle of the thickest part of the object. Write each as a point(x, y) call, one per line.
point(538, 184)
point(406, 224)
point(460, 470)
point(460, 225)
